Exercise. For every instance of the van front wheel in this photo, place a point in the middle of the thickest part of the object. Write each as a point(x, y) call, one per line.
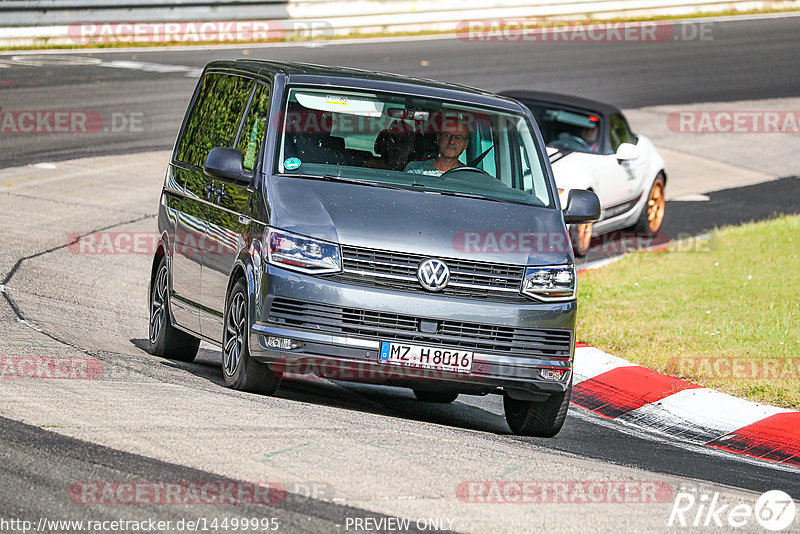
point(442, 397)
point(239, 370)
point(542, 419)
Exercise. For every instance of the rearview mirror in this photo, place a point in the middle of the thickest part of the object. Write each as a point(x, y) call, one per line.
point(411, 114)
point(227, 164)
point(627, 151)
point(582, 206)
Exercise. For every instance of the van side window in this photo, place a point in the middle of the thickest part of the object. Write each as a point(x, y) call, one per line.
point(215, 117)
point(254, 127)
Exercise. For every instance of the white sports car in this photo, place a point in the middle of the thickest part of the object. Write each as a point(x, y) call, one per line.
point(591, 146)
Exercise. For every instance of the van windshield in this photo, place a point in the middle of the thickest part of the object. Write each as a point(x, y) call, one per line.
point(395, 140)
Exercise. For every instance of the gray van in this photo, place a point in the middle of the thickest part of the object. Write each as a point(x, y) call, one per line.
point(368, 227)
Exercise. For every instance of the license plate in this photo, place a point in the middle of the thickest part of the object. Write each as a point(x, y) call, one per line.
point(457, 361)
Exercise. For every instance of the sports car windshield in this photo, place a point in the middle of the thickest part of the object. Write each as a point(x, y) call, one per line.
point(415, 143)
point(568, 129)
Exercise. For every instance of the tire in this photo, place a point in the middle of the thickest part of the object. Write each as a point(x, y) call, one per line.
point(542, 419)
point(166, 340)
point(443, 397)
point(581, 236)
point(239, 370)
point(652, 215)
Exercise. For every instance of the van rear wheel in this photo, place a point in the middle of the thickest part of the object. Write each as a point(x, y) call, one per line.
point(164, 339)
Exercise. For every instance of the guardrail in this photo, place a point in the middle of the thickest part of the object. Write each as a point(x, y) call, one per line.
point(66, 12)
point(53, 22)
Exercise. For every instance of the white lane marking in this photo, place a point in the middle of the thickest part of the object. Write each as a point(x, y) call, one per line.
point(72, 61)
point(2, 288)
point(695, 197)
point(54, 61)
point(45, 165)
point(26, 323)
point(700, 415)
point(151, 67)
point(590, 362)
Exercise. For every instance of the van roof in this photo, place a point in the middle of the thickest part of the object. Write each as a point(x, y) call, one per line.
point(305, 72)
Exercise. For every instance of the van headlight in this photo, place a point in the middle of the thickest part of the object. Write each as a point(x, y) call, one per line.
point(550, 283)
point(302, 253)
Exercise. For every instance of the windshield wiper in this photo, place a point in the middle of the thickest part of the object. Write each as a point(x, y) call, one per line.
point(479, 197)
point(332, 178)
point(370, 183)
point(466, 195)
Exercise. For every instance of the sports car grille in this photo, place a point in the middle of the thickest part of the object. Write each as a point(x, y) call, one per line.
point(396, 270)
point(526, 342)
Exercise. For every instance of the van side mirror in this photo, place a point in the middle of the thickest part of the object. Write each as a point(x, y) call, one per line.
point(582, 206)
point(227, 164)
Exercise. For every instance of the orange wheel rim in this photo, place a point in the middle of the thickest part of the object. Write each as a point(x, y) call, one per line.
point(655, 207)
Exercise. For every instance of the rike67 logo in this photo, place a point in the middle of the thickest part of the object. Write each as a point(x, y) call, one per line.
point(774, 511)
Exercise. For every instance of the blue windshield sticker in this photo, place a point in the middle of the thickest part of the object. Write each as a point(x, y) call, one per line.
point(291, 164)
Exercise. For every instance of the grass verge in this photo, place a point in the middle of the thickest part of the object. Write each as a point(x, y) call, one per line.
point(722, 313)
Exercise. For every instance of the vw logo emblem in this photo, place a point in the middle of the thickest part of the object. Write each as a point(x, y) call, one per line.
point(433, 274)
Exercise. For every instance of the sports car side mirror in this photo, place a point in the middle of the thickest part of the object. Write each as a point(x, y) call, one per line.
point(582, 206)
point(627, 151)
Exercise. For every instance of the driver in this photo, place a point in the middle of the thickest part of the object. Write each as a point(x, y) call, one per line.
point(589, 134)
point(452, 141)
point(586, 139)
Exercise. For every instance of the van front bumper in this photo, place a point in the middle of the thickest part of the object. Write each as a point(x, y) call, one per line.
point(338, 328)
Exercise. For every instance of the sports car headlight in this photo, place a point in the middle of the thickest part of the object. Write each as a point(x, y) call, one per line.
point(303, 253)
point(550, 283)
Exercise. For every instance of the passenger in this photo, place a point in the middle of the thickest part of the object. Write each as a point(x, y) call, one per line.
point(452, 141)
point(394, 145)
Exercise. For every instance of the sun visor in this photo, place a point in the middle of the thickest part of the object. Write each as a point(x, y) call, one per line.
point(341, 103)
point(567, 117)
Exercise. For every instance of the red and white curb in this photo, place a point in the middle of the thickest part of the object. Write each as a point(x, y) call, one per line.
point(617, 389)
